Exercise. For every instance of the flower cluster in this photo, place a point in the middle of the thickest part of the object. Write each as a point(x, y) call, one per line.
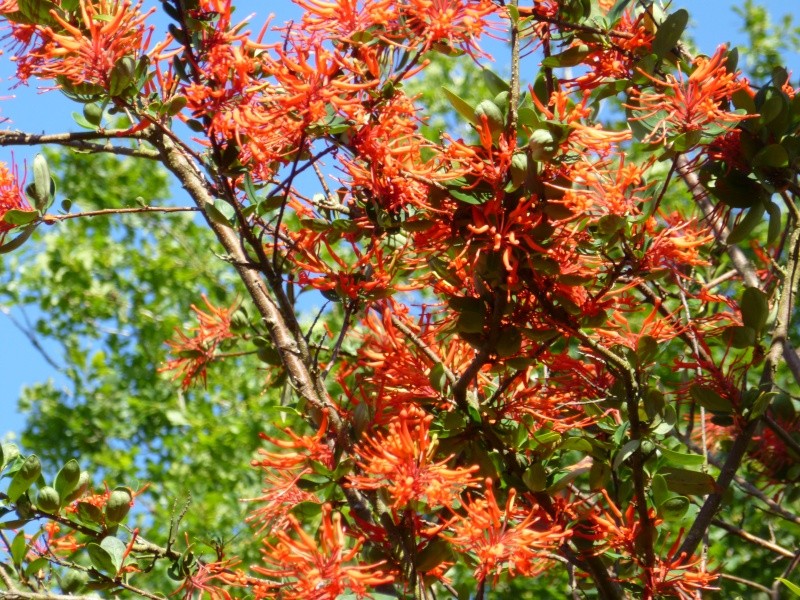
point(193, 354)
point(402, 462)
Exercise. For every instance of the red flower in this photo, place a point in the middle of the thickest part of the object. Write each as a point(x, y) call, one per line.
point(85, 50)
point(11, 198)
point(311, 570)
point(193, 354)
point(517, 541)
point(690, 104)
point(402, 462)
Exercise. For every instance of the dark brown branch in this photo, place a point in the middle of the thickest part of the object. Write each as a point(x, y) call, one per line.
point(80, 140)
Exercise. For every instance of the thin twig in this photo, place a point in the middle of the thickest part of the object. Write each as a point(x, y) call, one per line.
point(720, 230)
point(28, 333)
point(753, 539)
point(746, 582)
point(119, 211)
point(80, 140)
point(426, 350)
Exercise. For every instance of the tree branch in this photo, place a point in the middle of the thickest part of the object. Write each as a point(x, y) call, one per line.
point(81, 140)
point(740, 261)
point(118, 211)
point(736, 454)
point(293, 349)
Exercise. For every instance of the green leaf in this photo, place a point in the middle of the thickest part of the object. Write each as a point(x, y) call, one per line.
point(434, 554)
point(93, 113)
point(746, 224)
point(17, 241)
point(41, 183)
point(775, 229)
point(688, 483)
point(37, 565)
point(474, 196)
point(674, 508)
point(462, 106)
point(101, 559)
point(68, 478)
point(19, 548)
point(115, 549)
point(509, 342)
point(669, 32)
point(738, 191)
point(38, 11)
point(795, 589)
point(535, 478)
point(659, 489)
point(755, 308)
point(8, 452)
point(437, 377)
point(569, 58)
point(682, 459)
point(599, 475)
point(220, 212)
point(709, 399)
point(625, 453)
point(16, 216)
point(121, 76)
point(23, 479)
point(740, 336)
point(545, 436)
point(773, 156)
point(616, 11)
point(89, 513)
point(494, 82)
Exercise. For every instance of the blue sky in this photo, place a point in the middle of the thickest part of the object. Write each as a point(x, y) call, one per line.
point(713, 22)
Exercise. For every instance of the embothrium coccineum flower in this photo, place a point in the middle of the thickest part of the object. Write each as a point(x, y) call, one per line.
point(515, 540)
point(193, 354)
point(318, 570)
point(402, 461)
point(688, 104)
point(84, 49)
point(11, 197)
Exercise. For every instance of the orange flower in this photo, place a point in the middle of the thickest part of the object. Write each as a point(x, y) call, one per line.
point(677, 576)
point(402, 463)
point(302, 449)
point(517, 541)
point(679, 245)
point(193, 354)
point(86, 51)
point(208, 579)
point(65, 544)
point(682, 105)
point(279, 496)
point(614, 57)
point(456, 23)
point(11, 198)
point(614, 529)
point(318, 571)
